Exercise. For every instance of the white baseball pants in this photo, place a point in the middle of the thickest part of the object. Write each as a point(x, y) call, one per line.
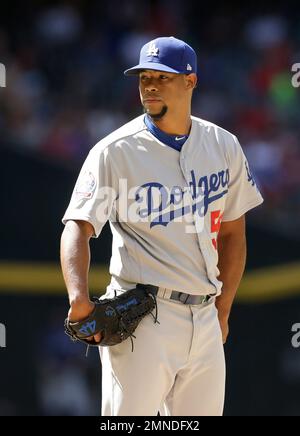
point(177, 367)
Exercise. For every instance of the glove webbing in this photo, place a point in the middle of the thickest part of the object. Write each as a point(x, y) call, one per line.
point(132, 317)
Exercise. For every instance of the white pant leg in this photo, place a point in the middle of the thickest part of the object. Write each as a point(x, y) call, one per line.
point(199, 387)
point(137, 383)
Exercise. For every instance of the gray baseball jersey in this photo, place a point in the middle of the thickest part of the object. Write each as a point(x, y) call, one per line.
point(165, 207)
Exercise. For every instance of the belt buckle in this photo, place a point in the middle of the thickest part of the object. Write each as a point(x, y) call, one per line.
point(191, 299)
point(183, 297)
point(198, 299)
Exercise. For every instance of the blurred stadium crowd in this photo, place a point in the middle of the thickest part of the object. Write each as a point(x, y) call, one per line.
point(65, 86)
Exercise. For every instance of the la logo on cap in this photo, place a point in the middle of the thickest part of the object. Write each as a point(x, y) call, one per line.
point(152, 50)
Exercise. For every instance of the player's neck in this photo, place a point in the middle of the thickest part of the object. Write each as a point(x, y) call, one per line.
point(174, 126)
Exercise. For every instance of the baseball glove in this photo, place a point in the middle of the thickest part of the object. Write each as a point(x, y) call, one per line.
point(115, 318)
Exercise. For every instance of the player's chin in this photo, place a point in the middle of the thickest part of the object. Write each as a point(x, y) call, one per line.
point(152, 114)
point(155, 112)
point(155, 106)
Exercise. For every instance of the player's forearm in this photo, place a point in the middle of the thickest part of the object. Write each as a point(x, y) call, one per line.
point(75, 261)
point(232, 261)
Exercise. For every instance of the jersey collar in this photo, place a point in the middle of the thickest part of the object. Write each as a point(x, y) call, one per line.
point(173, 141)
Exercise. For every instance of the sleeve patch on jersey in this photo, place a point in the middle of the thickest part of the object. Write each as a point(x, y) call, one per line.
point(86, 185)
point(250, 176)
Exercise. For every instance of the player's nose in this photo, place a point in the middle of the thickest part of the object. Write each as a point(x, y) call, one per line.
point(151, 87)
point(150, 90)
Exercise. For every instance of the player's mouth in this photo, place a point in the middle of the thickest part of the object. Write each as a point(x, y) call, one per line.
point(148, 98)
point(152, 100)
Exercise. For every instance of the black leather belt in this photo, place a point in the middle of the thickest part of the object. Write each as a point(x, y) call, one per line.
point(178, 296)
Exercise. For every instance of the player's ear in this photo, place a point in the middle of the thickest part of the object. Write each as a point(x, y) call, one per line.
point(191, 80)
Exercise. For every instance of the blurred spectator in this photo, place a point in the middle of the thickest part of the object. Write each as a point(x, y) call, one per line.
point(59, 24)
point(64, 391)
point(266, 32)
point(65, 386)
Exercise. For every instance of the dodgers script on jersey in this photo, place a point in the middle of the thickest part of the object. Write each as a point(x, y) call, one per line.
point(165, 207)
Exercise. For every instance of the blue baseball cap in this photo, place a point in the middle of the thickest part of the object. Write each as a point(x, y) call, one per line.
point(167, 54)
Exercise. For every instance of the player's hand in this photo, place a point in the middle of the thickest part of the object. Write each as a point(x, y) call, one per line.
point(81, 310)
point(224, 327)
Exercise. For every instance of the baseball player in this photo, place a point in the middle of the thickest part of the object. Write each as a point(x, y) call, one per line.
point(175, 189)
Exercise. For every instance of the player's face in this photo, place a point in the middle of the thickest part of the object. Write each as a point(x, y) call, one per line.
point(160, 91)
